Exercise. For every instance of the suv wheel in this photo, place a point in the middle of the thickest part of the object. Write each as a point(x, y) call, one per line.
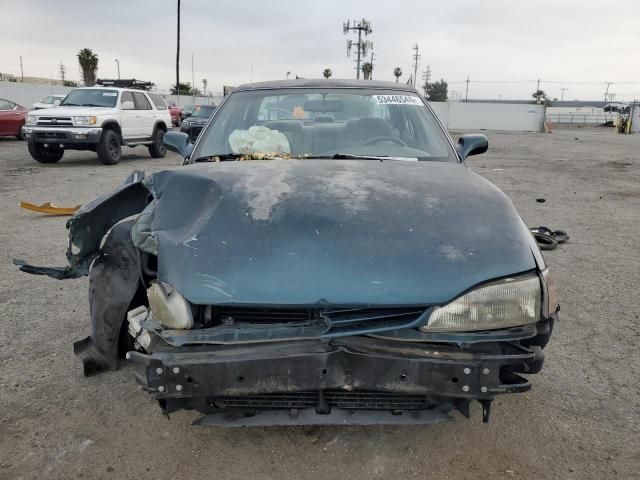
point(43, 154)
point(157, 148)
point(109, 149)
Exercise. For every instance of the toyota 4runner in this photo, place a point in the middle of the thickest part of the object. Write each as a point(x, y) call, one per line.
point(100, 119)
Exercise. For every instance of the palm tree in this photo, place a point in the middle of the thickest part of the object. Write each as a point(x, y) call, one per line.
point(327, 73)
point(88, 66)
point(205, 83)
point(398, 73)
point(367, 68)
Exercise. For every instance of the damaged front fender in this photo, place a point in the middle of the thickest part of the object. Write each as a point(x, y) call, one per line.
point(90, 224)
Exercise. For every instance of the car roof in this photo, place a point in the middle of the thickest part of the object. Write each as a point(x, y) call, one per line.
point(326, 83)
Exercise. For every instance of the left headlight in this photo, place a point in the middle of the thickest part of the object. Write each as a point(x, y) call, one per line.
point(506, 303)
point(31, 120)
point(85, 120)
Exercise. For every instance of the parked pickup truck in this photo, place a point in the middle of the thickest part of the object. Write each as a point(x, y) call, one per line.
point(100, 119)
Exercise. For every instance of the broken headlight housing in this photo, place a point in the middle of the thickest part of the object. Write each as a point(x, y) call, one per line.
point(168, 307)
point(505, 303)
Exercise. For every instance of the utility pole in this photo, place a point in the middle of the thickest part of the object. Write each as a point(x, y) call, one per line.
point(178, 57)
point(193, 81)
point(372, 55)
point(21, 70)
point(466, 93)
point(363, 26)
point(416, 57)
point(607, 90)
point(562, 95)
point(426, 76)
point(62, 69)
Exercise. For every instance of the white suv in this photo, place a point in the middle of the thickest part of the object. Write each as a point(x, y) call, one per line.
point(101, 119)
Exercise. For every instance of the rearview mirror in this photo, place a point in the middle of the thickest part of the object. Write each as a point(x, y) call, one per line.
point(128, 105)
point(472, 144)
point(178, 142)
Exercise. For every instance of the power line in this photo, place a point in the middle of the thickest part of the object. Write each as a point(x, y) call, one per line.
point(62, 69)
point(466, 93)
point(607, 90)
point(562, 96)
point(372, 57)
point(416, 56)
point(363, 26)
point(426, 76)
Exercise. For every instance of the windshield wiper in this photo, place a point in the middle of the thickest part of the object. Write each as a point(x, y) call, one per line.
point(349, 156)
point(221, 156)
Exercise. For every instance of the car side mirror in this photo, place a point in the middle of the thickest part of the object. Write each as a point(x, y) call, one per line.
point(187, 114)
point(179, 143)
point(472, 144)
point(128, 105)
point(56, 103)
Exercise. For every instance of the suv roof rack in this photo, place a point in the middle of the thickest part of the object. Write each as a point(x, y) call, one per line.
point(125, 83)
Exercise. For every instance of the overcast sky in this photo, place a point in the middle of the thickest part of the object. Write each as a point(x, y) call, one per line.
point(573, 44)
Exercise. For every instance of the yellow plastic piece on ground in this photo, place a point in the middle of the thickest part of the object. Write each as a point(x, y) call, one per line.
point(49, 208)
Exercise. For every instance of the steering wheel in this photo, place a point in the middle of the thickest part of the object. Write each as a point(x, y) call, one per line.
point(286, 112)
point(385, 139)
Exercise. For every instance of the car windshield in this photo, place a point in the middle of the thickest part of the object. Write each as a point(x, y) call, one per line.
point(203, 111)
point(91, 97)
point(321, 122)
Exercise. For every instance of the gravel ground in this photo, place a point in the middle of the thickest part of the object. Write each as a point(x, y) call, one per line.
point(580, 421)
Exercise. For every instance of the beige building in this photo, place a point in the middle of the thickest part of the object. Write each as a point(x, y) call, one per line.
point(7, 77)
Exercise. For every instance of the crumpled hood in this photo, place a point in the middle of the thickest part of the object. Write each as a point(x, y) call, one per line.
point(300, 232)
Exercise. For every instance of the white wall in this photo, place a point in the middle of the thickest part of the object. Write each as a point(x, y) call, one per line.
point(490, 116)
point(183, 100)
point(26, 94)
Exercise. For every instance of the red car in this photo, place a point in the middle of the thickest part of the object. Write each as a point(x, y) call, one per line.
point(12, 117)
point(174, 110)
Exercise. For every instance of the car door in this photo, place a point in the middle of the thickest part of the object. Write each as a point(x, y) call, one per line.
point(145, 115)
point(10, 118)
point(129, 120)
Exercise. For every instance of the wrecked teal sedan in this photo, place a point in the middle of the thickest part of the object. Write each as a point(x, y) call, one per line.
point(323, 256)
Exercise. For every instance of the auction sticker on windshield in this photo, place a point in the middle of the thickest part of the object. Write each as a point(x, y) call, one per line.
point(397, 100)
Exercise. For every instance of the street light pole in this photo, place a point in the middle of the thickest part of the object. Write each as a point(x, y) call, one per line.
point(118, 62)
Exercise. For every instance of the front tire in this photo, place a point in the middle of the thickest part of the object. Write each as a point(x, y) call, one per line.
point(157, 148)
point(20, 135)
point(109, 149)
point(43, 154)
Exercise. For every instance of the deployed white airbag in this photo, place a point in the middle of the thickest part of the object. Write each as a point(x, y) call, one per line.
point(259, 140)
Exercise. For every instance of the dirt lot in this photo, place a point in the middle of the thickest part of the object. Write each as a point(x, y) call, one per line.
point(580, 421)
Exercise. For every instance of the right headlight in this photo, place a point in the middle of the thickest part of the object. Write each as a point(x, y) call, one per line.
point(31, 120)
point(505, 303)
